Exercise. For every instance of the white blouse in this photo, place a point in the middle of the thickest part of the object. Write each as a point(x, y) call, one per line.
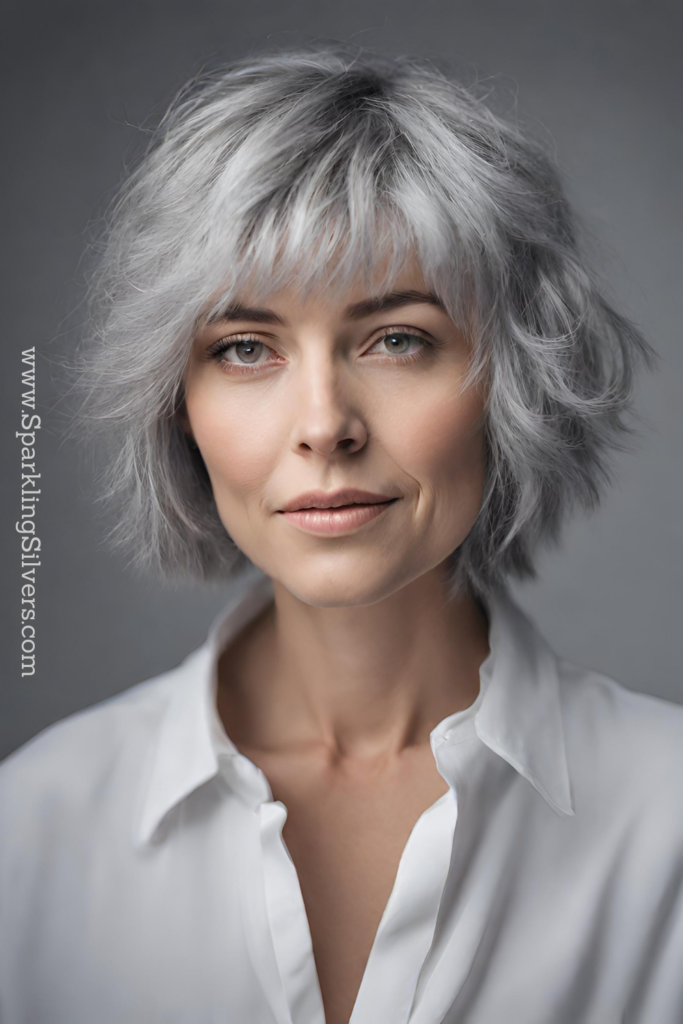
point(144, 878)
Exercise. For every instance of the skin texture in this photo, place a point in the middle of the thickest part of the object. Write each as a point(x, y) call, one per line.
point(334, 689)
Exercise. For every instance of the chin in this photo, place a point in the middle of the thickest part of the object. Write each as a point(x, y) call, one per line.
point(338, 587)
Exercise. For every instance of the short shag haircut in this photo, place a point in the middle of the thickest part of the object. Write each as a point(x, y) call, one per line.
point(322, 165)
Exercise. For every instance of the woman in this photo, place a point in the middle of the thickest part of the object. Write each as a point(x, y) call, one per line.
point(349, 353)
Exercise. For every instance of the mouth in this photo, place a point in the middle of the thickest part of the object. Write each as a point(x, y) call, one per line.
point(348, 504)
point(341, 498)
point(334, 519)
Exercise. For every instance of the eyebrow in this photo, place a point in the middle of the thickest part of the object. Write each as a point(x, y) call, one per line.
point(356, 311)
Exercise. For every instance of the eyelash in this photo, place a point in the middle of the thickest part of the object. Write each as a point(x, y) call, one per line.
point(224, 345)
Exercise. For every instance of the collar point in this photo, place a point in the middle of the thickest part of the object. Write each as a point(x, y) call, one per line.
point(566, 810)
point(560, 802)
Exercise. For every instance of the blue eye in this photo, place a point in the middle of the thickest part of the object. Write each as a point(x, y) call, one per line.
point(405, 345)
point(248, 351)
point(398, 342)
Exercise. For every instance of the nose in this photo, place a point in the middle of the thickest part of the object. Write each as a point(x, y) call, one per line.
point(326, 417)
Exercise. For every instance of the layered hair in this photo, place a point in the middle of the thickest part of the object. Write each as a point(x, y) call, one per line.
point(314, 166)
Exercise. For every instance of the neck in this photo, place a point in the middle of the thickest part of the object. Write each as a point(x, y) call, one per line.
point(363, 681)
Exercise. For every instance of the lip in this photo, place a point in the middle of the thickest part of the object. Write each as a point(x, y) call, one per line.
point(345, 496)
point(343, 519)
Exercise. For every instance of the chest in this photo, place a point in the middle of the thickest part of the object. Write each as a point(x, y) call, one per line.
point(538, 922)
point(345, 833)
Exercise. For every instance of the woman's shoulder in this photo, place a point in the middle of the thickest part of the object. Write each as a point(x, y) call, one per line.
point(624, 746)
point(83, 754)
point(594, 697)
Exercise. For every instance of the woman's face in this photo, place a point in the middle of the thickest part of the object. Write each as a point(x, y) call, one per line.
point(299, 394)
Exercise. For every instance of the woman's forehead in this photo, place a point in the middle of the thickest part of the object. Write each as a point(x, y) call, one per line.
point(352, 294)
point(339, 291)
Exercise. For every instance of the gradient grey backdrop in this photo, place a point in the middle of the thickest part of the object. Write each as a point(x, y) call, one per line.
point(603, 79)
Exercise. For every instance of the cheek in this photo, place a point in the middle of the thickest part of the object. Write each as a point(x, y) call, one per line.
point(440, 442)
point(238, 445)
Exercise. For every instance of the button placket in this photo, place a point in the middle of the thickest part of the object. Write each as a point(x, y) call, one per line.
point(288, 919)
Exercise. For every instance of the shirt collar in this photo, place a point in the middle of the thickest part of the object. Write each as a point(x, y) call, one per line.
point(520, 717)
point(517, 715)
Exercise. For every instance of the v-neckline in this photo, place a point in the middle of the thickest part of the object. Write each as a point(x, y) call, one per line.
point(403, 937)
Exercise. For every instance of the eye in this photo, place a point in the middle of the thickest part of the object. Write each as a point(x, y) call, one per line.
point(246, 354)
point(401, 343)
point(240, 353)
point(245, 351)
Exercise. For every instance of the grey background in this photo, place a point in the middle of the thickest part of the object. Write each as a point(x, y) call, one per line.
point(603, 79)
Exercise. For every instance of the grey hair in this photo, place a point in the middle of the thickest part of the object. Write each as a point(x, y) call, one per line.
point(318, 164)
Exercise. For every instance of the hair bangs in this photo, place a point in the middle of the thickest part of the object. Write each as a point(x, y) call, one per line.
point(347, 214)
